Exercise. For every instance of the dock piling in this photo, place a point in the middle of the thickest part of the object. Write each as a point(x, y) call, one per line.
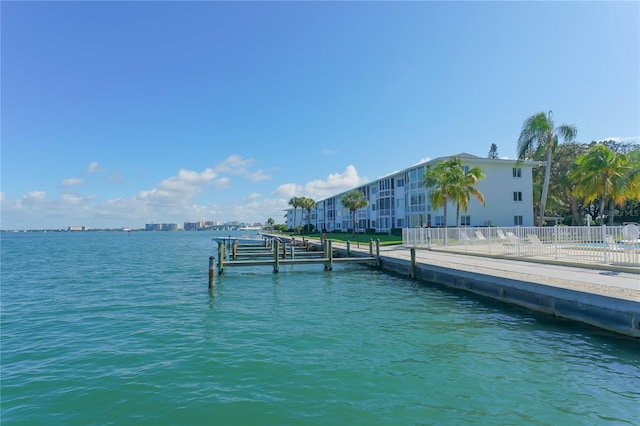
point(329, 264)
point(348, 248)
point(220, 257)
point(276, 257)
point(413, 273)
point(212, 272)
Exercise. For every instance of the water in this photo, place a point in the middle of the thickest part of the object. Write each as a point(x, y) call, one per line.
point(118, 328)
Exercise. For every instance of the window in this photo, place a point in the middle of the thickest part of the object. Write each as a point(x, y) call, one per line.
point(465, 220)
point(517, 196)
point(465, 169)
point(517, 220)
point(439, 220)
point(517, 172)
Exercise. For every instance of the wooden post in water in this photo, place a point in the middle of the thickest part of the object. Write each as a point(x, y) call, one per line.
point(235, 250)
point(220, 257)
point(370, 247)
point(413, 274)
point(378, 253)
point(348, 248)
point(276, 257)
point(212, 272)
point(329, 264)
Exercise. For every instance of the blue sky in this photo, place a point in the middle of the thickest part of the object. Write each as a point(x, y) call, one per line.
point(117, 114)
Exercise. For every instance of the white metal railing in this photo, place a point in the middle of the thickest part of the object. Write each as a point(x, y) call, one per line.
point(596, 244)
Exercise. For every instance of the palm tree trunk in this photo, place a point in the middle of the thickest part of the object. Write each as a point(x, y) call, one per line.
point(603, 201)
point(545, 186)
point(575, 214)
point(353, 223)
point(458, 215)
point(612, 211)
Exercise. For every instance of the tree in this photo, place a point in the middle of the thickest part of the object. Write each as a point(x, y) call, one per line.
point(602, 174)
point(295, 203)
point(270, 222)
point(308, 204)
point(354, 200)
point(465, 188)
point(562, 200)
point(538, 140)
point(493, 152)
point(440, 181)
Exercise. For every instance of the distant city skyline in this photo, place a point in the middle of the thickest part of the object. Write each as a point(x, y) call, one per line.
point(117, 114)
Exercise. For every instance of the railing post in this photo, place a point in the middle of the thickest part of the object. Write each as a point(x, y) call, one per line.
point(555, 240)
point(604, 242)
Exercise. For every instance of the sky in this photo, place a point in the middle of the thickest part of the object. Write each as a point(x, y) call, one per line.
point(118, 114)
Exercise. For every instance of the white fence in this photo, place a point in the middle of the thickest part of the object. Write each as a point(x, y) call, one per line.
point(596, 244)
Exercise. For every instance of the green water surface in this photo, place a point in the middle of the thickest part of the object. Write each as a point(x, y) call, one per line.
point(119, 328)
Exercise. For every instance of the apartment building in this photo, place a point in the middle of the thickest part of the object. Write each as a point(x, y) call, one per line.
point(400, 200)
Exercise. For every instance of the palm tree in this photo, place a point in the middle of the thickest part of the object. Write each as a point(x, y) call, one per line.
point(295, 203)
point(538, 139)
point(463, 190)
point(602, 174)
point(354, 200)
point(308, 204)
point(441, 182)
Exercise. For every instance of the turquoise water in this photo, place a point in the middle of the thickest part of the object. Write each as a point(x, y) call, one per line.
point(118, 328)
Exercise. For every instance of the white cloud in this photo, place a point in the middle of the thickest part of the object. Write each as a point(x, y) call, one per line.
point(234, 165)
point(257, 176)
point(318, 189)
point(94, 167)
point(34, 197)
point(329, 152)
point(72, 182)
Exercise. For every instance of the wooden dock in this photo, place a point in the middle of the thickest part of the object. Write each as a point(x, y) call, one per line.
point(276, 252)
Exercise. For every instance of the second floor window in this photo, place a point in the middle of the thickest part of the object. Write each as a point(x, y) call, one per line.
point(517, 172)
point(517, 196)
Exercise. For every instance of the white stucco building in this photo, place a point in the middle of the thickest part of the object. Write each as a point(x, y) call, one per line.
point(400, 200)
